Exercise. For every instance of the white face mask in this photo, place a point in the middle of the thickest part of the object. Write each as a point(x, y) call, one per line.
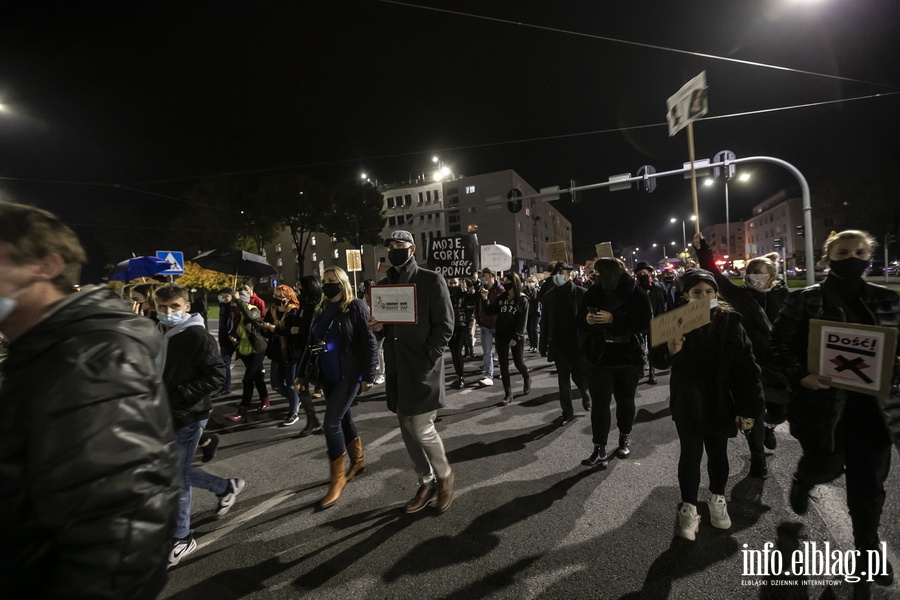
point(713, 301)
point(8, 303)
point(757, 281)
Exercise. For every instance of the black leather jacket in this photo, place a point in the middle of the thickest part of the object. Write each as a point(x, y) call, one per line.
point(815, 414)
point(88, 467)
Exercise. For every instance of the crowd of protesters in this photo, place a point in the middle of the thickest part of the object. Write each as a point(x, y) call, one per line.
point(745, 371)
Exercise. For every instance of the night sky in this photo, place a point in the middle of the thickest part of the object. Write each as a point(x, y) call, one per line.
point(152, 96)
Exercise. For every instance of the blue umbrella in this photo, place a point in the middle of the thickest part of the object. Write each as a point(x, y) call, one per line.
point(137, 267)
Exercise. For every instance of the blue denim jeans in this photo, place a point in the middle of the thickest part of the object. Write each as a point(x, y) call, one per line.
point(188, 437)
point(282, 379)
point(487, 340)
point(339, 427)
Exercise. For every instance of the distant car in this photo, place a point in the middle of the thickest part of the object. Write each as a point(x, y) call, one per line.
point(876, 268)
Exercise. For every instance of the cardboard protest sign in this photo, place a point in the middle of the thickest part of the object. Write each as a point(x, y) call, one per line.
point(688, 104)
point(394, 303)
point(859, 358)
point(604, 250)
point(557, 251)
point(354, 261)
point(496, 257)
point(675, 323)
point(454, 256)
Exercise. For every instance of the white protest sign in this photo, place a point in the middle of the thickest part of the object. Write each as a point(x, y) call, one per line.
point(604, 250)
point(394, 303)
point(496, 257)
point(675, 323)
point(688, 104)
point(856, 357)
point(354, 261)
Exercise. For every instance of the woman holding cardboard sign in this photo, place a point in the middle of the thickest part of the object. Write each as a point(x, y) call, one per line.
point(840, 431)
point(714, 387)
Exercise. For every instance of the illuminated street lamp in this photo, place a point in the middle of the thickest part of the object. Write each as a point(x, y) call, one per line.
point(683, 229)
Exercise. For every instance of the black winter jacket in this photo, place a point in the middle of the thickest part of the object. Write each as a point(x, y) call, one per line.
point(759, 311)
point(283, 346)
point(615, 344)
point(714, 377)
point(193, 370)
point(359, 348)
point(89, 476)
point(560, 335)
point(814, 415)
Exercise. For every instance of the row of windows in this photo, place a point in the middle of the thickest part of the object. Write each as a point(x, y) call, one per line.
point(426, 197)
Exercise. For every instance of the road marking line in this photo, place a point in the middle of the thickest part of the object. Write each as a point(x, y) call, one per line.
point(269, 504)
point(385, 438)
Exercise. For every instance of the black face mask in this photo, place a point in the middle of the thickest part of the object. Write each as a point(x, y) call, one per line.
point(398, 256)
point(644, 281)
point(331, 289)
point(669, 279)
point(849, 269)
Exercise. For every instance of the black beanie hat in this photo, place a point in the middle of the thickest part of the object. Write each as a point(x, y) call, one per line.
point(692, 277)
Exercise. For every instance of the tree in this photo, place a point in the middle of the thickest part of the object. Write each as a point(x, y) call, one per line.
point(196, 276)
point(235, 217)
point(357, 213)
point(300, 204)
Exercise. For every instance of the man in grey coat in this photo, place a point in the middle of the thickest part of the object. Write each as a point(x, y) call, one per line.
point(414, 371)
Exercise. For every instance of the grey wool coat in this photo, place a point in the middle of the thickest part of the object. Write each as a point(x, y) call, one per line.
point(414, 354)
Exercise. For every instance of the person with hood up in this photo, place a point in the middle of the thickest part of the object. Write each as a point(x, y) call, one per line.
point(191, 371)
point(614, 313)
point(644, 274)
point(714, 392)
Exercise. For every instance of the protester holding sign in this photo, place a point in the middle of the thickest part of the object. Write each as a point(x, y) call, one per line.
point(758, 301)
point(715, 387)
point(840, 431)
point(614, 314)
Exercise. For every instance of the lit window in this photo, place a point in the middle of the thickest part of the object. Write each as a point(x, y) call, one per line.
point(312, 241)
point(277, 247)
point(337, 253)
point(470, 189)
point(264, 253)
point(314, 257)
point(278, 263)
point(527, 211)
point(333, 237)
point(472, 228)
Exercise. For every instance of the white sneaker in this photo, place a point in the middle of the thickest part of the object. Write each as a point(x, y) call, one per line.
point(718, 512)
point(180, 549)
point(486, 382)
point(235, 487)
point(379, 380)
point(688, 522)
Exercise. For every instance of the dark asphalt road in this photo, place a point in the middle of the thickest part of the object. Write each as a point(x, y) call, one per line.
point(528, 520)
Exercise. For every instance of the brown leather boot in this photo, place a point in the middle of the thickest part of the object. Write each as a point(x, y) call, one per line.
point(444, 493)
point(338, 481)
point(424, 496)
point(357, 460)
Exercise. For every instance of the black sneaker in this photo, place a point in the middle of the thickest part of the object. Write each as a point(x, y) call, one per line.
point(180, 549)
point(799, 496)
point(290, 420)
point(227, 500)
point(457, 384)
point(771, 442)
point(209, 450)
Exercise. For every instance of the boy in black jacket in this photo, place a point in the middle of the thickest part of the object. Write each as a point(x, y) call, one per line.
point(192, 370)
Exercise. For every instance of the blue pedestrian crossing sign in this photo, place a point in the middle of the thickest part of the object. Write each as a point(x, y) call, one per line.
point(174, 258)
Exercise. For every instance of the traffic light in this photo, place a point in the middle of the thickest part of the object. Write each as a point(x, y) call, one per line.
point(777, 242)
point(800, 231)
point(515, 200)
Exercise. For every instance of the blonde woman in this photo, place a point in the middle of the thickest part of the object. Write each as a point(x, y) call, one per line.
point(346, 352)
point(840, 432)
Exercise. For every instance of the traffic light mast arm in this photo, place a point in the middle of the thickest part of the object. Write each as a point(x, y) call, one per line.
point(619, 180)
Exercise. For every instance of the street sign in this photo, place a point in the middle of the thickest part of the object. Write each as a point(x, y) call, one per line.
point(515, 203)
point(174, 258)
point(550, 193)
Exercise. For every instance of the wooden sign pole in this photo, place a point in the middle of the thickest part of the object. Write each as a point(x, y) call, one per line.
point(690, 129)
